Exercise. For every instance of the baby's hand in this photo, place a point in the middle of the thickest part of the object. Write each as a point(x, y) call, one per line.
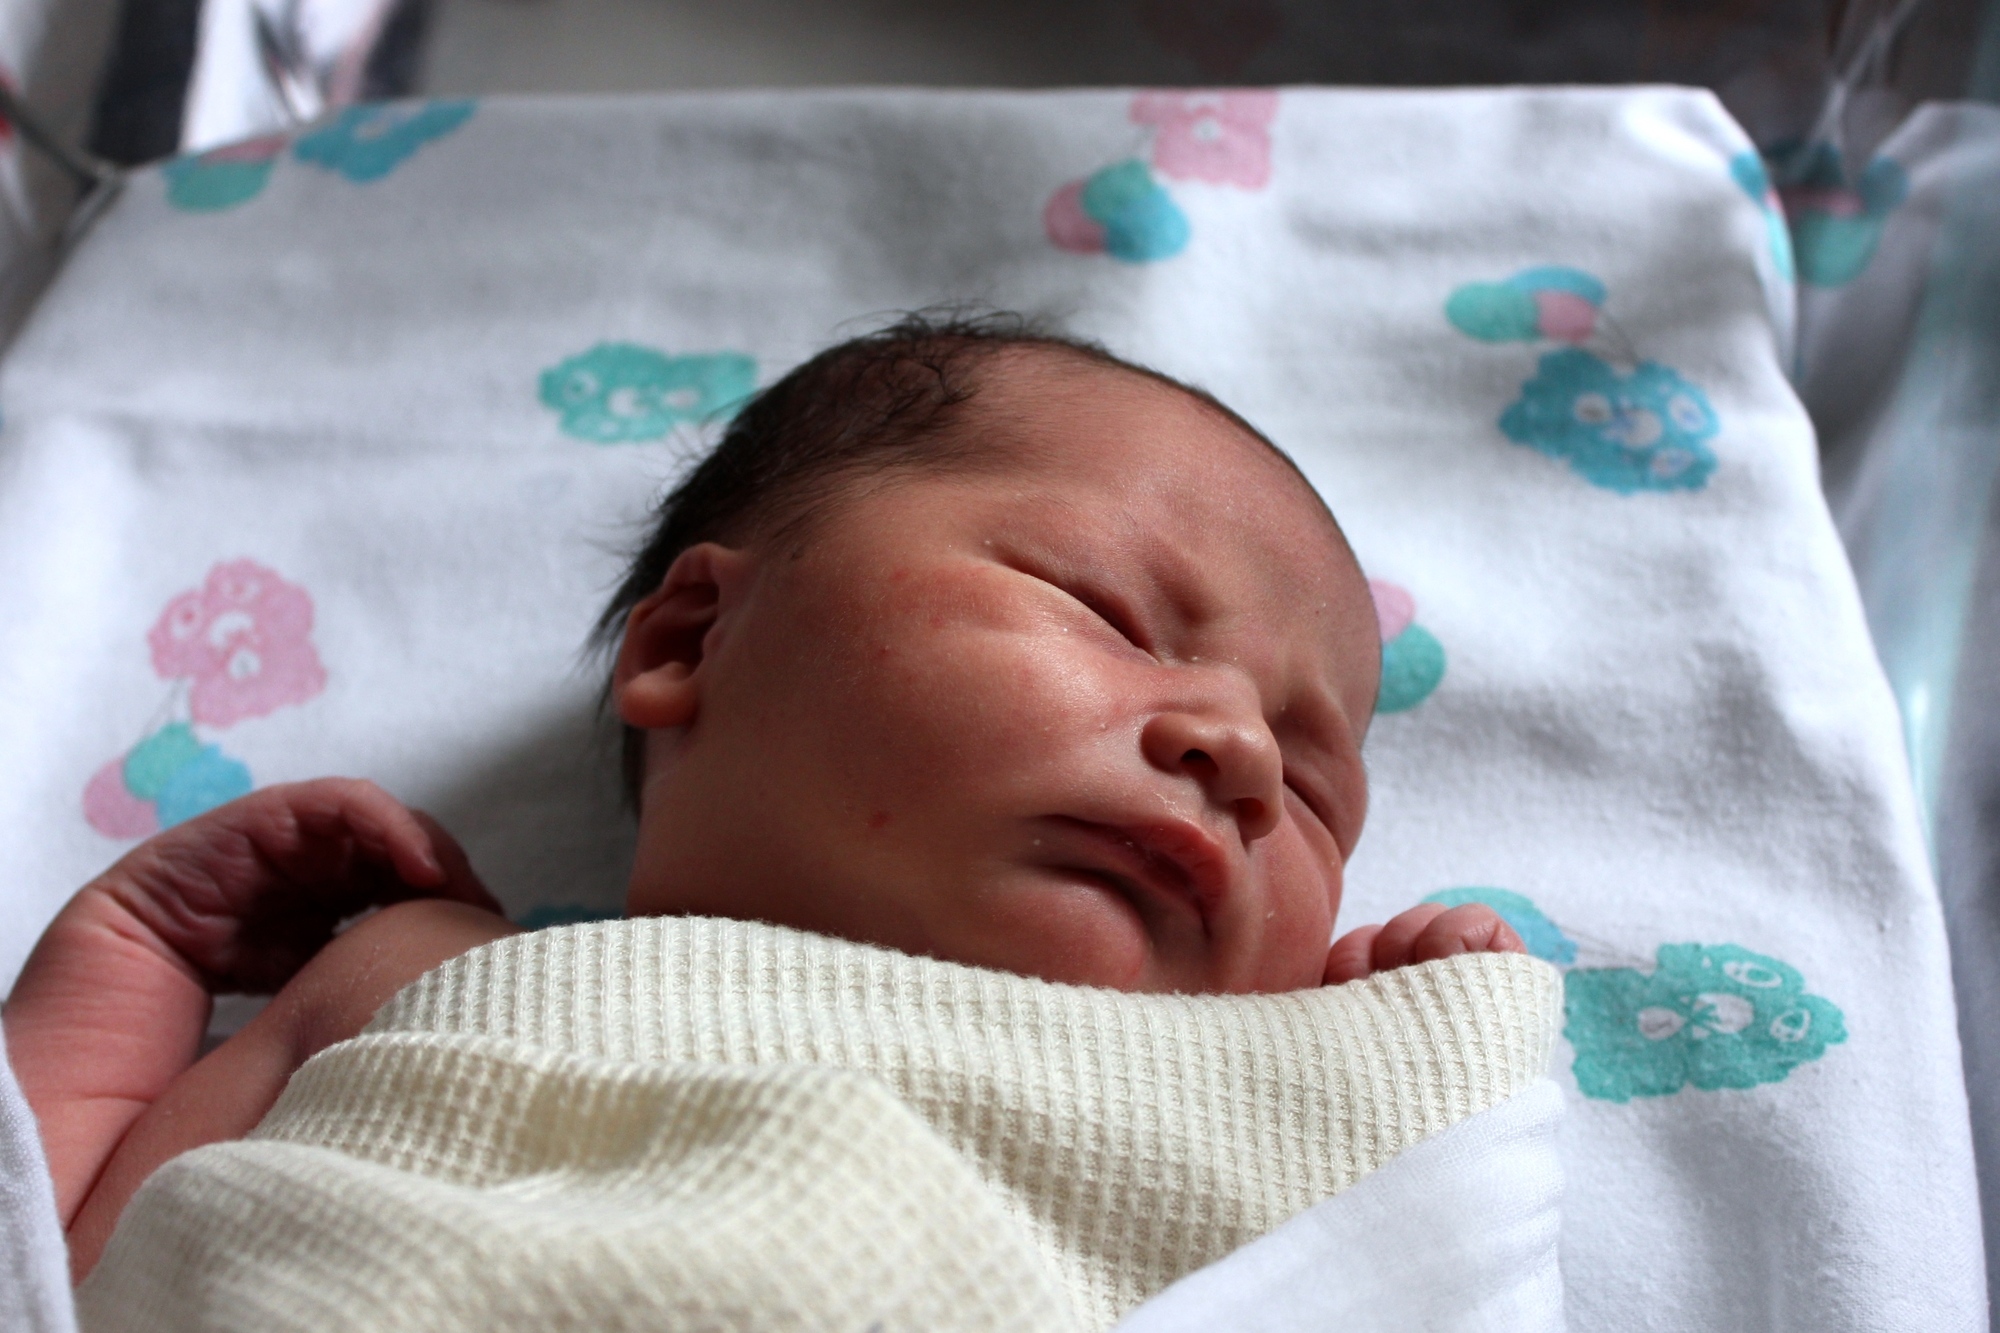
point(245, 894)
point(111, 1006)
point(1420, 935)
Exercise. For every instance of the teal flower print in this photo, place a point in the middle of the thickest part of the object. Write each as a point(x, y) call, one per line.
point(619, 393)
point(365, 143)
point(1836, 222)
point(1716, 1016)
point(1646, 430)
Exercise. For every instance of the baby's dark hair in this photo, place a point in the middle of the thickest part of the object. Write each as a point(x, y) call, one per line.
point(877, 403)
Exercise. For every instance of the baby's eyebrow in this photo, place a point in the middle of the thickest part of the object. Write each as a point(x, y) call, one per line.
point(1174, 582)
point(1185, 588)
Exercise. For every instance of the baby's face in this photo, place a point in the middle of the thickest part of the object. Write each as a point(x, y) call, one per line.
point(1091, 712)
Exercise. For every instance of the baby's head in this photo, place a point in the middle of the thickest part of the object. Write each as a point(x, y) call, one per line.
point(985, 645)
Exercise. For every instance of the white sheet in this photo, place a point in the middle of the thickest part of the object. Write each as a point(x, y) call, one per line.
point(1455, 1235)
point(34, 1266)
point(1634, 698)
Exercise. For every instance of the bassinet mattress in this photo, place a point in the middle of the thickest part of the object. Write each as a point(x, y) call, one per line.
point(320, 454)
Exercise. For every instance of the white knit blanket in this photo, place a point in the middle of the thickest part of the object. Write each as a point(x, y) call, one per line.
point(697, 1123)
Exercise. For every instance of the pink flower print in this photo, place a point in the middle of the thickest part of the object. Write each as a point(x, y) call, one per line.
point(1220, 137)
point(244, 639)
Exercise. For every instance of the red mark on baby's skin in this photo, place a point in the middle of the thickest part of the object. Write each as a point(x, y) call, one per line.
point(898, 575)
point(878, 820)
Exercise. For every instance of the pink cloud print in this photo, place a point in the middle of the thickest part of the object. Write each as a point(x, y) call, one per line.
point(238, 647)
point(1212, 137)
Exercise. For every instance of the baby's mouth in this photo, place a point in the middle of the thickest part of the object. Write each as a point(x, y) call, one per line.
point(1177, 863)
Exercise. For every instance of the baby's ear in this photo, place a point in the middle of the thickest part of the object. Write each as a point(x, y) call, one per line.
point(657, 681)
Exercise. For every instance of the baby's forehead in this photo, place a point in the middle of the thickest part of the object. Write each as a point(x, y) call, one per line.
point(1056, 405)
point(1219, 511)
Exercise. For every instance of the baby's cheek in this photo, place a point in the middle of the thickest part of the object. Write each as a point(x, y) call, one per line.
point(1072, 934)
point(1301, 900)
point(1002, 698)
point(1317, 854)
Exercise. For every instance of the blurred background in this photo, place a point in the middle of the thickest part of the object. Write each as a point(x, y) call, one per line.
point(184, 74)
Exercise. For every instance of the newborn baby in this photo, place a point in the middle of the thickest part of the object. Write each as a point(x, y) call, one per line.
point(968, 642)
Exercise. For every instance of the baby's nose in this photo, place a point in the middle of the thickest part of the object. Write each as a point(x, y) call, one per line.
point(1235, 761)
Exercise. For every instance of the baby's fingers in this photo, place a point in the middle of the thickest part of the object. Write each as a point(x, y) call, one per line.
point(1424, 934)
point(382, 828)
point(461, 882)
point(1350, 958)
point(1468, 928)
point(1393, 944)
point(422, 854)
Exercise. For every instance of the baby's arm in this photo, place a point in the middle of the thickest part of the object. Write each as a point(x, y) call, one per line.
point(112, 1004)
point(227, 1092)
point(1424, 933)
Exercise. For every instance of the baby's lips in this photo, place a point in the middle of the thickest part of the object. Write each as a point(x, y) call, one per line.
point(1175, 859)
point(1188, 851)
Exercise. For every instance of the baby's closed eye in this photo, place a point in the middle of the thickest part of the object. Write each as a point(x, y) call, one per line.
point(1113, 612)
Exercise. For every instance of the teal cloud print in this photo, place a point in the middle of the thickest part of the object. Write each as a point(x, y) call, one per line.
point(181, 776)
point(1543, 938)
point(544, 915)
point(1121, 211)
point(1646, 430)
point(1836, 222)
point(1747, 169)
point(223, 177)
point(1717, 1016)
point(1553, 302)
point(366, 142)
point(623, 393)
point(1412, 659)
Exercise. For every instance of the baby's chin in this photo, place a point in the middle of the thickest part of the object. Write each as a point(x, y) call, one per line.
point(1060, 928)
point(1076, 930)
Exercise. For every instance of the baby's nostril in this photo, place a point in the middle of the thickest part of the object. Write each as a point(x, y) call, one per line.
point(1194, 758)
